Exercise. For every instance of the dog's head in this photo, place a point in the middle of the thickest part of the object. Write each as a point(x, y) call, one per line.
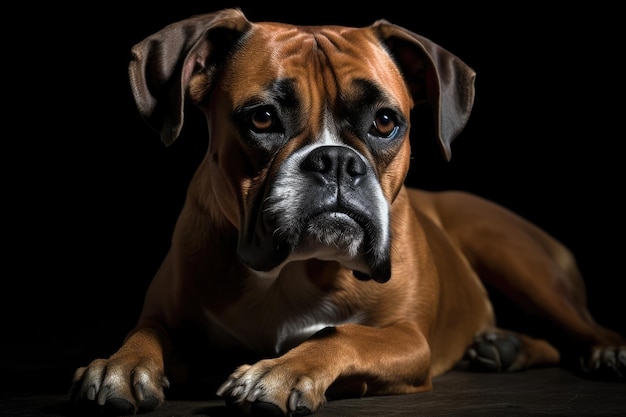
point(308, 126)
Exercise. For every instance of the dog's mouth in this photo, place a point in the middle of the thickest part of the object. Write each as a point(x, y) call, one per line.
point(347, 238)
point(356, 238)
point(343, 237)
point(333, 229)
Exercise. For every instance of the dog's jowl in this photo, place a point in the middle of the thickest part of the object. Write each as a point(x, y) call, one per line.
point(300, 247)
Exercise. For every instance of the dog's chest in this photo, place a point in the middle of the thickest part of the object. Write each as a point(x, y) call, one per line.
point(277, 313)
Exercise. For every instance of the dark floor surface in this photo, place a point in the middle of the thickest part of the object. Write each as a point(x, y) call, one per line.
point(35, 376)
point(552, 392)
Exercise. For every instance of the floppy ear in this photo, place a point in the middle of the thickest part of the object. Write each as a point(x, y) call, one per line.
point(433, 75)
point(163, 64)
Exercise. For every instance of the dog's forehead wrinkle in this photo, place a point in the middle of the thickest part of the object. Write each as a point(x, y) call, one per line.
point(324, 74)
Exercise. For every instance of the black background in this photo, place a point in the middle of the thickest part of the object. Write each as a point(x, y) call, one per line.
point(91, 194)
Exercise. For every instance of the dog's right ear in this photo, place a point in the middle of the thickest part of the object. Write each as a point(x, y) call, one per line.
point(163, 64)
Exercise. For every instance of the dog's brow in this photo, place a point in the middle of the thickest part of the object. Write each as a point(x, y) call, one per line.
point(363, 92)
point(284, 91)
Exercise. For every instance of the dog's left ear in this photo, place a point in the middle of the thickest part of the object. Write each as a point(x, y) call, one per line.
point(163, 64)
point(433, 75)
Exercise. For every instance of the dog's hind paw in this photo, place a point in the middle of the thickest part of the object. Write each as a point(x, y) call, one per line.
point(605, 363)
point(491, 352)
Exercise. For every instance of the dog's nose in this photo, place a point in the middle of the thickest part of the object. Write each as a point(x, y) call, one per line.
point(334, 164)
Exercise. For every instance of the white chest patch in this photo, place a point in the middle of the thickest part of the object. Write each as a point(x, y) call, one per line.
point(277, 313)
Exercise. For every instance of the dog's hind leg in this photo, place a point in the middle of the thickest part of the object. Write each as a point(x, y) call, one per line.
point(536, 273)
point(500, 351)
point(503, 351)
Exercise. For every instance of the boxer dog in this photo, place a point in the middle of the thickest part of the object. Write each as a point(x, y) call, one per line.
point(299, 242)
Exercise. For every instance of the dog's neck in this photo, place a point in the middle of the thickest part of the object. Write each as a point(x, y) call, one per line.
point(278, 312)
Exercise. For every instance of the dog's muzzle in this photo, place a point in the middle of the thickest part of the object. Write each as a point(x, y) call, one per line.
point(325, 202)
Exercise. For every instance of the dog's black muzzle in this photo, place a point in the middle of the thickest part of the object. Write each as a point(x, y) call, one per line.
point(327, 204)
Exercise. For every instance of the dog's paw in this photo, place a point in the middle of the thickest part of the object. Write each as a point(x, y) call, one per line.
point(120, 386)
point(491, 352)
point(605, 363)
point(272, 388)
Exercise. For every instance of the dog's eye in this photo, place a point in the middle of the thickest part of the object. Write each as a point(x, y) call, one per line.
point(384, 125)
point(262, 119)
point(260, 125)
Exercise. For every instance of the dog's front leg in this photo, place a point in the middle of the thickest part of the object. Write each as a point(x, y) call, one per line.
point(131, 380)
point(349, 359)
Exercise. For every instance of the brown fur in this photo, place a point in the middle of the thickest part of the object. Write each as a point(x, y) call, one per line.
point(391, 337)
